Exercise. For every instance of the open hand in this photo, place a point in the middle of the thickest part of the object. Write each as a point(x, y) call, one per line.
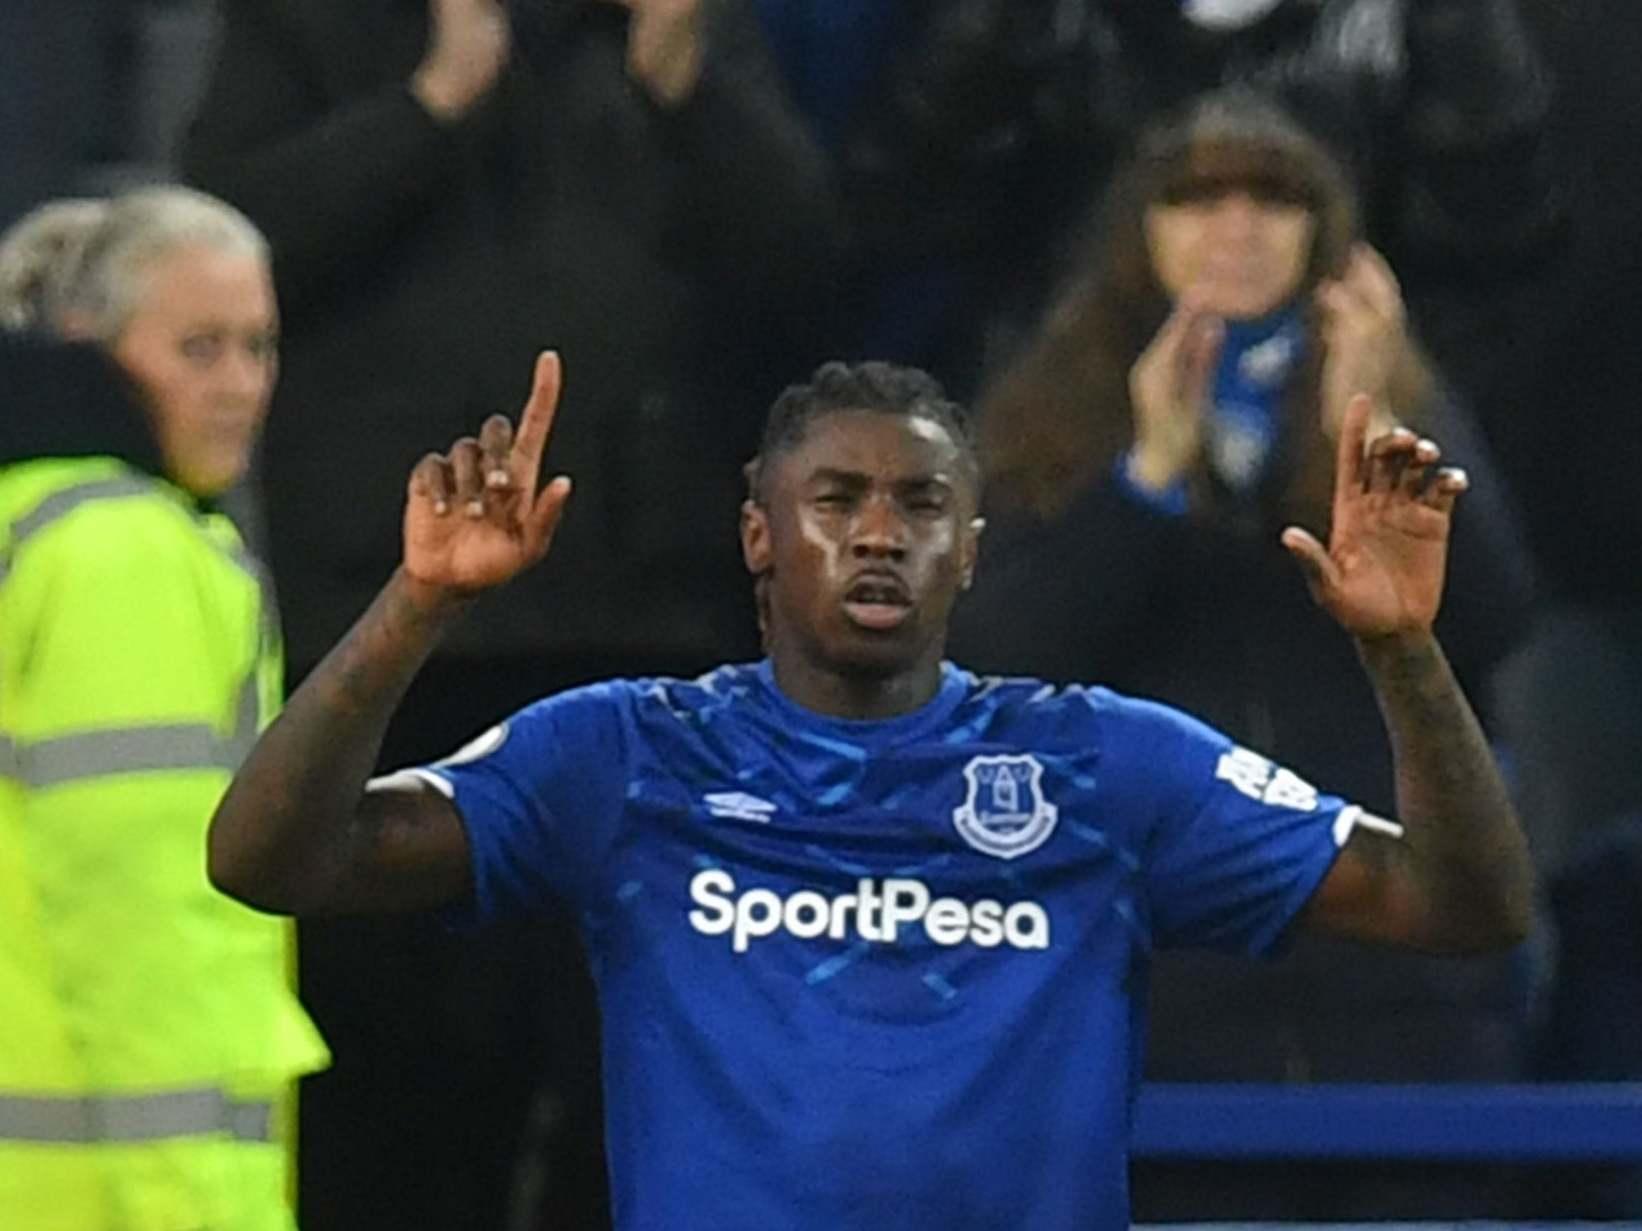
point(473, 517)
point(1382, 573)
point(1169, 390)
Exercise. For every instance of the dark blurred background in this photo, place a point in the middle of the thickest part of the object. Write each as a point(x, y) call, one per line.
point(919, 169)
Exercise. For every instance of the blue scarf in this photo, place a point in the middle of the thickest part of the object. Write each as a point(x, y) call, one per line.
point(1256, 360)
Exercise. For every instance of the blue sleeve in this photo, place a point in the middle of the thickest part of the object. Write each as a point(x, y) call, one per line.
point(1172, 501)
point(541, 797)
point(1235, 845)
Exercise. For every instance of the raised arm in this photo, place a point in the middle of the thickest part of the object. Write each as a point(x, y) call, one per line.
point(298, 831)
point(759, 210)
point(1458, 878)
point(323, 175)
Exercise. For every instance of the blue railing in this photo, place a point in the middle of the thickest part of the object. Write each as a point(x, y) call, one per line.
point(1514, 1123)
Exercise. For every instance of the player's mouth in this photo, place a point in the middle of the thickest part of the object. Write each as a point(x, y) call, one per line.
point(878, 601)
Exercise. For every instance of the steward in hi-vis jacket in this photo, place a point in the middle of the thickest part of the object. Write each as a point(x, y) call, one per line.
point(149, 1036)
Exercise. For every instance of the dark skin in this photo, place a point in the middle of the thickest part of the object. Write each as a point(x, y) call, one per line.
point(1461, 881)
point(866, 533)
point(870, 506)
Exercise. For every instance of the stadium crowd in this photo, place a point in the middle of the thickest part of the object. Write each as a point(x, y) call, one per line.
point(1154, 247)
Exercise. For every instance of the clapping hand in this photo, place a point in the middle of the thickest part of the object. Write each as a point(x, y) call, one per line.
point(1382, 572)
point(666, 42)
point(469, 42)
point(1364, 327)
point(1169, 389)
point(473, 517)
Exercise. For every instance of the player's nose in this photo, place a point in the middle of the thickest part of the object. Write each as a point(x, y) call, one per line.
point(878, 529)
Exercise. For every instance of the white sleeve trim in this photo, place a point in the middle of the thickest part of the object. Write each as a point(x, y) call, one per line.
point(412, 777)
point(1351, 816)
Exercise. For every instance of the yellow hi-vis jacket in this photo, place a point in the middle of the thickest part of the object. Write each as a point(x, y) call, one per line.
point(149, 1036)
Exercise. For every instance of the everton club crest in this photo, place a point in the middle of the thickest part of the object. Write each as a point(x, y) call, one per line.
point(1005, 813)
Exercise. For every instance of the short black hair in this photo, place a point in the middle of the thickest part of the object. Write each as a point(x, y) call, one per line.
point(873, 385)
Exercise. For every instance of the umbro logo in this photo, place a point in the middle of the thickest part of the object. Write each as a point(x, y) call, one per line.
point(738, 806)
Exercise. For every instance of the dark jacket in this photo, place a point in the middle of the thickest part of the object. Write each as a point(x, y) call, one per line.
point(69, 399)
point(1563, 408)
point(1214, 617)
point(979, 163)
point(421, 268)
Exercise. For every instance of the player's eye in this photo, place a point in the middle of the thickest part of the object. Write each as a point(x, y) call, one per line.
point(925, 500)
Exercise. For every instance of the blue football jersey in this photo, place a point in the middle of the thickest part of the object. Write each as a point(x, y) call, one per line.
point(880, 974)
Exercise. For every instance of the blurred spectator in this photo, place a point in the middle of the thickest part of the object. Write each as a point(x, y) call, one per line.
point(1574, 699)
point(449, 187)
point(54, 64)
point(93, 92)
point(969, 158)
point(150, 1035)
point(1142, 460)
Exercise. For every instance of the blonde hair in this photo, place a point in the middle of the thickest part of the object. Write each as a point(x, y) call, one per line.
point(36, 254)
point(103, 283)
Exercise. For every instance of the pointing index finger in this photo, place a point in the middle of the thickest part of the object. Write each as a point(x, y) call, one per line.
point(536, 421)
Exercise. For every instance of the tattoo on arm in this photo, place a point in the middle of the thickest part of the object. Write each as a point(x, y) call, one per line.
point(297, 830)
point(1463, 851)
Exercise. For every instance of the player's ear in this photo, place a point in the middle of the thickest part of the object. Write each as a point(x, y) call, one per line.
point(971, 550)
point(755, 537)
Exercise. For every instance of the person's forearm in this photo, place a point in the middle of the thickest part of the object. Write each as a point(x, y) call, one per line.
point(366, 169)
point(1465, 845)
point(265, 124)
point(758, 194)
point(285, 834)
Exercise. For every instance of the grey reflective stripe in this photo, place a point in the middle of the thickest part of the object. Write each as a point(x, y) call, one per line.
point(134, 750)
point(255, 570)
point(143, 748)
point(133, 1117)
point(247, 721)
point(251, 1121)
point(268, 614)
point(125, 750)
point(61, 503)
